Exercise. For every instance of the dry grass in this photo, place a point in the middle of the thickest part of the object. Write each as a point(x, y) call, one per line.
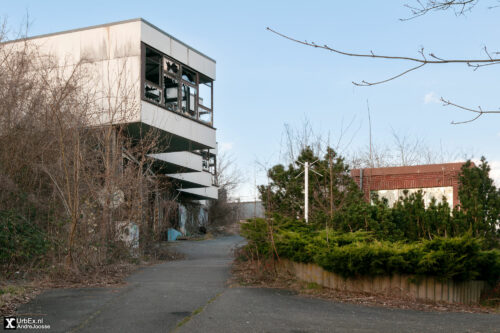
point(12, 294)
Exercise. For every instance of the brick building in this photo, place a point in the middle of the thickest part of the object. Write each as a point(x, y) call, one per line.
point(435, 180)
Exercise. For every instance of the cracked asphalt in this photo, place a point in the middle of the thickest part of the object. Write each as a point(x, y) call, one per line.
point(191, 295)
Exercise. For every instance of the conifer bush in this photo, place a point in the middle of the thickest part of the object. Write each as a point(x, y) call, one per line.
point(359, 253)
point(349, 236)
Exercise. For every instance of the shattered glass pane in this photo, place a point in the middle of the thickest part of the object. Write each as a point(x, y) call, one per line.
point(152, 93)
point(205, 98)
point(171, 67)
point(171, 93)
point(205, 115)
point(188, 75)
point(189, 96)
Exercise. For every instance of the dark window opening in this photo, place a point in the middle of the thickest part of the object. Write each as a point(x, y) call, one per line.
point(153, 61)
point(209, 164)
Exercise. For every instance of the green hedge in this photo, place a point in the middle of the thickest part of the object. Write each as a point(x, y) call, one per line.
point(359, 253)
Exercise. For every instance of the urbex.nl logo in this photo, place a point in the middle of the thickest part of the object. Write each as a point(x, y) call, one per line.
point(9, 323)
point(24, 323)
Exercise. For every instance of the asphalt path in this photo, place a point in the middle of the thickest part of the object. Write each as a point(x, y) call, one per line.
point(191, 295)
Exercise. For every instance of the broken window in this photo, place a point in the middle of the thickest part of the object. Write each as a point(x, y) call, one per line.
point(171, 67)
point(209, 161)
point(189, 95)
point(171, 93)
point(153, 93)
point(176, 87)
point(153, 60)
point(212, 164)
point(188, 75)
point(152, 89)
point(205, 98)
point(205, 115)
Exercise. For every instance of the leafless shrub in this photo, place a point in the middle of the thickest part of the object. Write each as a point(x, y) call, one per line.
point(228, 177)
point(68, 161)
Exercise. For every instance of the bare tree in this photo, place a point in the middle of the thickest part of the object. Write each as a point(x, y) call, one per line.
point(228, 178)
point(297, 139)
point(69, 162)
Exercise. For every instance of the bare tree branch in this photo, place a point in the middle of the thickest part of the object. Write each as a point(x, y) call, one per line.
point(479, 111)
point(475, 63)
point(460, 7)
point(434, 60)
point(366, 84)
point(373, 55)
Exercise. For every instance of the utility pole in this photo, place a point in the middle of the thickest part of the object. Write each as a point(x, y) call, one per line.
point(306, 187)
point(306, 191)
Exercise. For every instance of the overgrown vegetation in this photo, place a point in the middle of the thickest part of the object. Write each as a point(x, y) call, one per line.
point(20, 240)
point(351, 237)
point(72, 176)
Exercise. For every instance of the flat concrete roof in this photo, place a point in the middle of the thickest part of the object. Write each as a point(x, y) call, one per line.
point(110, 24)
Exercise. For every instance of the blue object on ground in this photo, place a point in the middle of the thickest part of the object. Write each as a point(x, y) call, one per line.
point(172, 234)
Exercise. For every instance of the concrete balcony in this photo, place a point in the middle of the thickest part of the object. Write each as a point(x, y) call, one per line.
point(204, 193)
point(175, 162)
point(192, 179)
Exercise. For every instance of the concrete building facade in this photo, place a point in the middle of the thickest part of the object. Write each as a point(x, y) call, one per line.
point(151, 81)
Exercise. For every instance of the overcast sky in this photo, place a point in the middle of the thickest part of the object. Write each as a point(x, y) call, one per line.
point(264, 81)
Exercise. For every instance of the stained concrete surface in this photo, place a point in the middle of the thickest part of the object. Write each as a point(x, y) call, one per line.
point(155, 298)
point(273, 310)
point(193, 293)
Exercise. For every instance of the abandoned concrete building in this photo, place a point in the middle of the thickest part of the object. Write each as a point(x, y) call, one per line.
point(434, 180)
point(169, 86)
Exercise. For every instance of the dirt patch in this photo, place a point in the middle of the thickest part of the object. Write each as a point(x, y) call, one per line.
point(15, 293)
point(197, 237)
point(264, 275)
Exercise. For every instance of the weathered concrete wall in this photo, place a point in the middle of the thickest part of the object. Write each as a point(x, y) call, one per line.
point(107, 60)
point(177, 49)
point(428, 193)
point(397, 285)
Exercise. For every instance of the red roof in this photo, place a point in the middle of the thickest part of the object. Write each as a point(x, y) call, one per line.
point(426, 168)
